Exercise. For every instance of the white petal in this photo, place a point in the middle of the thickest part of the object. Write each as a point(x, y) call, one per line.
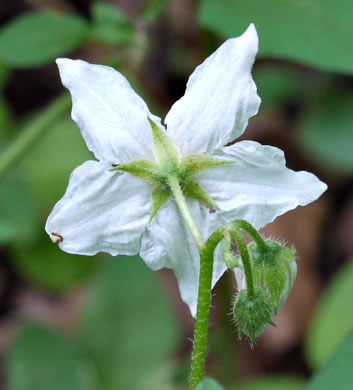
point(219, 100)
point(111, 116)
point(258, 187)
point(101, 211)
point(240, 278)
point(167, 242)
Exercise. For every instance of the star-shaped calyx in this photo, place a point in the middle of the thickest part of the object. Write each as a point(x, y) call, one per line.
point(169, 165)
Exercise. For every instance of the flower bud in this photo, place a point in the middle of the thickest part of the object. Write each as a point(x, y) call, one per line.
point(274, 269)
point(252, 313)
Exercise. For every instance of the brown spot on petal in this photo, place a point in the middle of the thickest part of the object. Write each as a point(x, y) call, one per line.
point(56, 237)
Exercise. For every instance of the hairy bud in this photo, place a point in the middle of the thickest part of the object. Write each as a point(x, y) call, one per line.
point(274, 269)
point(252, 313)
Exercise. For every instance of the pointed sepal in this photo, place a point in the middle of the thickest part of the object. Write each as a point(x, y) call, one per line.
point(159, 197)
point(196, 163)
point(166, 152)
point(145, 169)
point(193, 190)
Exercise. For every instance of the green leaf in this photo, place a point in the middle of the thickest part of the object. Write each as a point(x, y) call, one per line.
point(17, 210)
point(4, 75)
point(333, 319)
point(273, 383)
point(153, 9)
point(209, 384)
point(337, 373)
point(277, 85)
point(326, 131)
point(48, 266)
point(128, 330)
point(7, 231)
point(42, 359)
point(318, 33)
point(111, 26)
point(48, 166)
point(37, 38)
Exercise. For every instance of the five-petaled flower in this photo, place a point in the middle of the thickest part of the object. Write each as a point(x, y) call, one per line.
point(107, 210)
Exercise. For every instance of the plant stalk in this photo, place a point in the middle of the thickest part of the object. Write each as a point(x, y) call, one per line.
point(33, 132)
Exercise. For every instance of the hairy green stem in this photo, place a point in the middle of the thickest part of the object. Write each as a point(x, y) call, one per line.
point(206, 250)
point(244, 254)
point(33, 132)
point(185, 211)
point(242, 224)
point(199, 352)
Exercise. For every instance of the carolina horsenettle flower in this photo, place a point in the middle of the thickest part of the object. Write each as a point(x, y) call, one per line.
point(122, 203)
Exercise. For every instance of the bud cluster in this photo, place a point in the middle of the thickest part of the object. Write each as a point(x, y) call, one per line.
point(273, 269)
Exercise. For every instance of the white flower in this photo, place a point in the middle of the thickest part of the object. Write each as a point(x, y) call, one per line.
point(109, 211)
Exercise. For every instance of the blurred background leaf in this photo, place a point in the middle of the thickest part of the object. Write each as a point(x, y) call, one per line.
point(48, 267)
point(36, 38)
point(326, 130)
point(333, 319)
point(209, 384)
point(337, 372)
point(277, 84)
point(317, 33)
point(42, 359)
point(111, 25)
point(128, 329)
point(48, 165)
point(273, 383)
point(18, 218)
point(153, 9)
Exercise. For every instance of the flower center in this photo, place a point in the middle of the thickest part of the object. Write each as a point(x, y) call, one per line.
point(168, 166)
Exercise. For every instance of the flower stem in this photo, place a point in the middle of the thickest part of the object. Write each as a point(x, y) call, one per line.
point(203, 309)
point(33, 132)
point(242, 224)
point(206, 250)
point(185, 212)
point(244, 254)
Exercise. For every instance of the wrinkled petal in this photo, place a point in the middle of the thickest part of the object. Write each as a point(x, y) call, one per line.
point(220, 98)
point(101, 211)
point(168, 243)
point(258, 187)
point(240, 278)
point(111, 116)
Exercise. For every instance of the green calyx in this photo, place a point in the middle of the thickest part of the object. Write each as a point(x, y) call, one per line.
point(252, 313)
point(273, 269)
point(168, 164)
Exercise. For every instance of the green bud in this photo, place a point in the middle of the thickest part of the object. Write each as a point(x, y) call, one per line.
point(252, 313)
point(274, 269)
